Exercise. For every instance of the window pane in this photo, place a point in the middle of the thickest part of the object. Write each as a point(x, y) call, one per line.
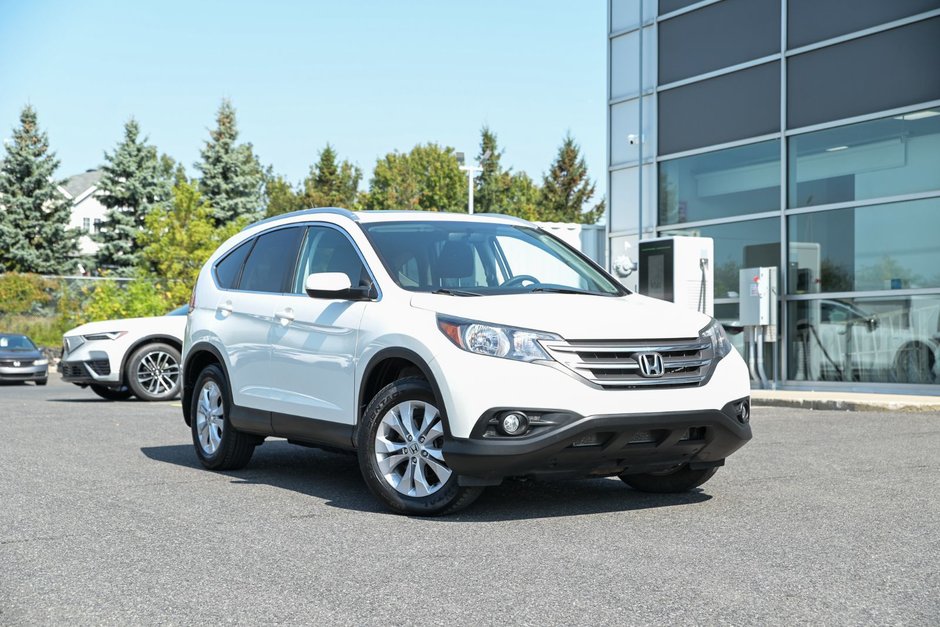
point(884, 339)
point(668, 6)
point(270, 265)
point(886, 157)
point(815, 20)
point(726, 108)
point(738, 245)
point(720, 184)
point(718, 36)
point(890, 69)
point(624, 14)
point(625, 132)
point(625, 65)
point(881, 247)
point(327, 250)
point(227, 270)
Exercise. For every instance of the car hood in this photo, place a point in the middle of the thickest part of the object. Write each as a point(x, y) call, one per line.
point(171, 325)
point(6, 353)
point(574, 316)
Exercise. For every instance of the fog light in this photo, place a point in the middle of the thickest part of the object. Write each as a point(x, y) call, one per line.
point(513, 423)
point(744, 412)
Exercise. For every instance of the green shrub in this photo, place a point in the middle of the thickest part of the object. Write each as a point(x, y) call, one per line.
point(24, 293)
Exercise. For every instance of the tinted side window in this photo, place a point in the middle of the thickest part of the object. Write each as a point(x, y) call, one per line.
point(228, 269)
point(328, 250)
point(270, 265)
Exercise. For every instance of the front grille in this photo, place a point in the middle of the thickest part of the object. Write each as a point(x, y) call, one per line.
point(614, 364)
point(9, 363)
point(72, 370)
point(100, 366)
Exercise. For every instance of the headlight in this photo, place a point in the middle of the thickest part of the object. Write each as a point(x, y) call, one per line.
point(108, 335)
point(495, 340)
point(41, 362)
point(715, 333)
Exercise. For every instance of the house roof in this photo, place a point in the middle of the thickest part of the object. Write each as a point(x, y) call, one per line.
point(76, 185)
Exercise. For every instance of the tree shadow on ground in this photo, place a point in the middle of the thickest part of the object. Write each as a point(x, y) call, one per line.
point(335, 478)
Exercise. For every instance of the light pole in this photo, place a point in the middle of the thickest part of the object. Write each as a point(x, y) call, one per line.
point(471, 170)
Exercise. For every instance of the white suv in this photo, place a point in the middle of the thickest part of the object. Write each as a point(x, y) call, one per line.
point(451, 352)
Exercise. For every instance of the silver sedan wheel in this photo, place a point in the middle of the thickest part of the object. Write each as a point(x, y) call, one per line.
point(158, 373)
point(408, 449)
point(210, 417)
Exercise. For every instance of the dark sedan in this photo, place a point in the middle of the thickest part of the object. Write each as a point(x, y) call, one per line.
point(21, 360)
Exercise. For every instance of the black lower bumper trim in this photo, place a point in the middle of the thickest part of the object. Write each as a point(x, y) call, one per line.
point(604, 445)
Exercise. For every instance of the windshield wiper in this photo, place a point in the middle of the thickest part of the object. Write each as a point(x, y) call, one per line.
point(453, 292)
point(561, 290)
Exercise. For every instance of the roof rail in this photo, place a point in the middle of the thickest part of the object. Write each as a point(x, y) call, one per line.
point(339, 211)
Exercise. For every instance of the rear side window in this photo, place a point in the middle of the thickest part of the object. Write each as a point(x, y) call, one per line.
point(227, 270)
point(270, 265)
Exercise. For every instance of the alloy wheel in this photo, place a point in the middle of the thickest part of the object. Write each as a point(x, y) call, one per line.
point(210, 417)
point(158, 373)
point(408, 451)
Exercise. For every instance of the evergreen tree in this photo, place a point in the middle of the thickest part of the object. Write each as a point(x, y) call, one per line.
point(134, 180)
point(427, 178)
point(34, 214)
point(280, 196)
point(491, 185)
point(232, 178)
point(567, 188)
point(332, 184)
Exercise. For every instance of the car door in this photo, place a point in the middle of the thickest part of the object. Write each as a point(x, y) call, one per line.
point(313, 359)
point(245, 314)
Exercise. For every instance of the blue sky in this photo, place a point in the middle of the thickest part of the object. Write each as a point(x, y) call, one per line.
point(367, 76)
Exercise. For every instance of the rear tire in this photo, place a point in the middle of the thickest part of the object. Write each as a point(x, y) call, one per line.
point(399, 448)
point(153, 372)
point(111, 394)
point(681, 479)
point(219, 446)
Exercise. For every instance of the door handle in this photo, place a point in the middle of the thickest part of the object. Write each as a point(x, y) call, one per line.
point(225, 308)
point(286, 316)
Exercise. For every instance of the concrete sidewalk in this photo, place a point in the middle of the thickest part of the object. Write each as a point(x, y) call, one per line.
point(848, 401)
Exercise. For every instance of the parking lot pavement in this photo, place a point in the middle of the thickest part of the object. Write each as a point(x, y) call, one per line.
point(825, 517)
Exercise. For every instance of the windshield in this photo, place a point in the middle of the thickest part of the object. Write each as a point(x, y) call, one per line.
point(16, 343)
point(476, 258)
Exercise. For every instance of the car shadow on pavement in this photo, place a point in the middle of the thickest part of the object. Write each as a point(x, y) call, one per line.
point(335, 478)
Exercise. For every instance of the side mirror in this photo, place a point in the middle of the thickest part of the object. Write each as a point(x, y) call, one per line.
point(334, 285)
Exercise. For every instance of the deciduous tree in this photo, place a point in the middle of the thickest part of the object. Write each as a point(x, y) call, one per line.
point(427, 178)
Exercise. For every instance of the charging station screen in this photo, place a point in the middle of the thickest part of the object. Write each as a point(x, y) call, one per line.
point(656, 270)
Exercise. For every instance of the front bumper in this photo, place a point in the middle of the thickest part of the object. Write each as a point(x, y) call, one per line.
point(604, 445)
point(96, 370)
point(24, 373)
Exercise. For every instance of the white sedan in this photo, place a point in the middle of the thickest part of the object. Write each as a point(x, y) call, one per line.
point(121, 358)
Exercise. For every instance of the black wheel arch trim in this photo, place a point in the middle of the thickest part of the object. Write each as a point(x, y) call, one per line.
point(186, 391)
point(396, 352)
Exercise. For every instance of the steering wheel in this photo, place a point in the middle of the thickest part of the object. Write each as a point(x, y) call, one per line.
point(519, 279)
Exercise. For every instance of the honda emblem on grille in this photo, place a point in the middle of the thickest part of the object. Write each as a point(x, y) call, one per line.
point(651, 365)
point(16, 364)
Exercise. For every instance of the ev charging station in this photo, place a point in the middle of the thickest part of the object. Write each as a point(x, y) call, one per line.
point(680, 270)
point(758, 315)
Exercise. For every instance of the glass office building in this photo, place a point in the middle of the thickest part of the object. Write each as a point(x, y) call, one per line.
point(800, 134)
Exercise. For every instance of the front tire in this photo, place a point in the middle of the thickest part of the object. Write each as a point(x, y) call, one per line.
point(399, 447)
point(111, 394)
point(219, 446)
point(42, 381)
point(681, 479)
point(153, 372)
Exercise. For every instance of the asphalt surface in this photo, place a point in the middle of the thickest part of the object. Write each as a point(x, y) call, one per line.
point(106, 518)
